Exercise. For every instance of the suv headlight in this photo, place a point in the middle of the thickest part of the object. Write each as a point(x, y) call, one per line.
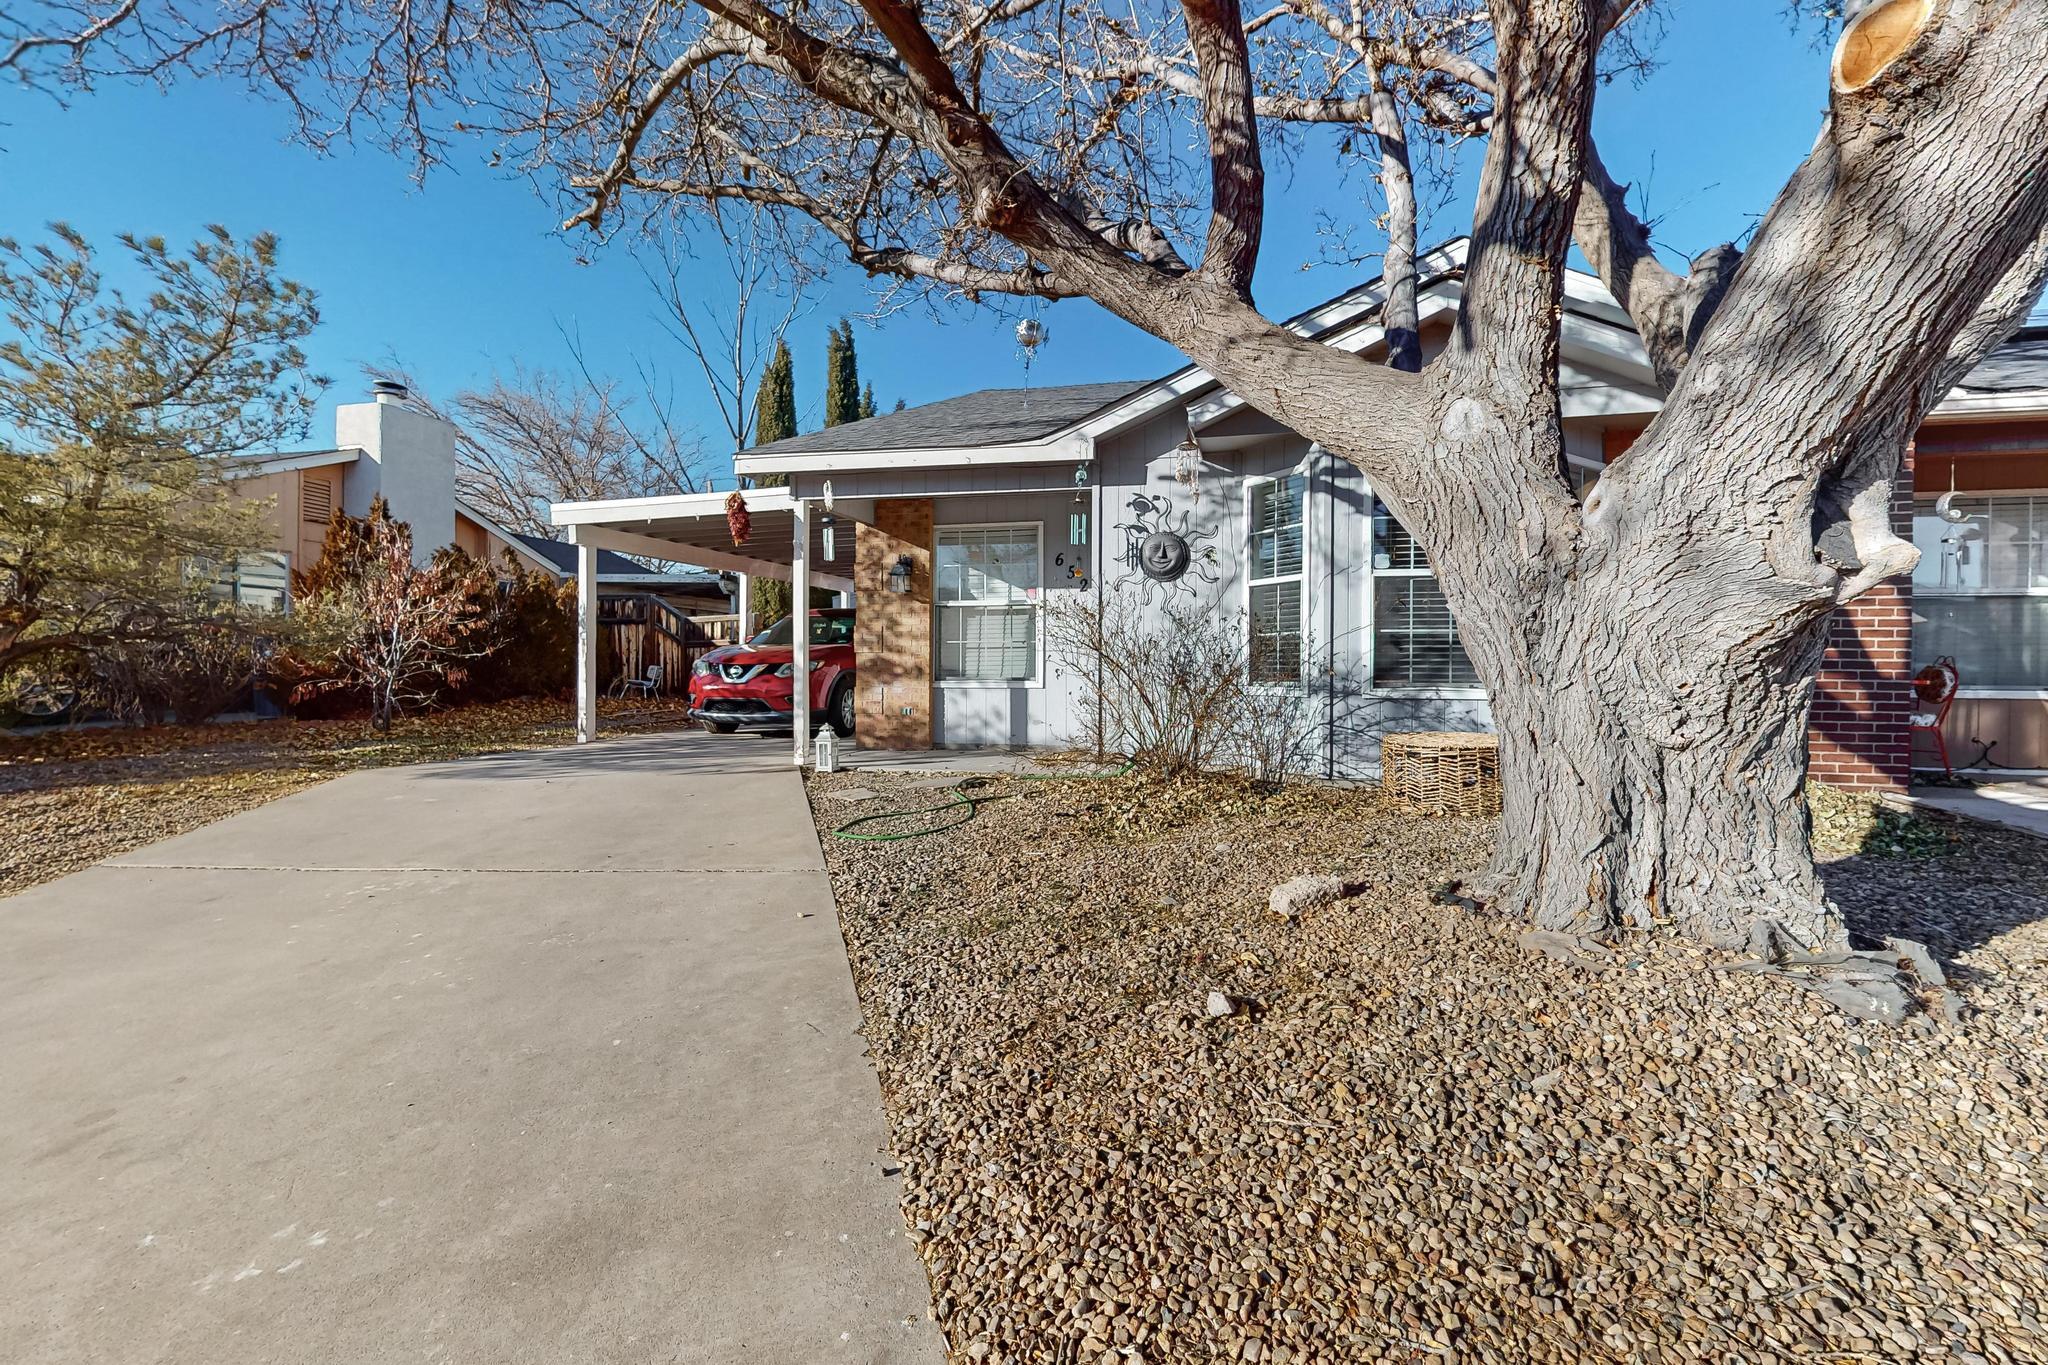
point(703, 668)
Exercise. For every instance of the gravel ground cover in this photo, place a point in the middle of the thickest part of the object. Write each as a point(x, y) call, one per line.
point(1412, 1139)
point(70, 798)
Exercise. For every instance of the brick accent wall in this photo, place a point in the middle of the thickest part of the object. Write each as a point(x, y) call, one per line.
point(1859, 735)
point(892, 632)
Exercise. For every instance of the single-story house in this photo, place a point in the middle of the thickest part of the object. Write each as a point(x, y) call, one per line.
point(388, 447)
point(995, 503)
point(694, 592)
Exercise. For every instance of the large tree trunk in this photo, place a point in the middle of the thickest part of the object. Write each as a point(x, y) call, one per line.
point(1628, 808)
point(1651, 675)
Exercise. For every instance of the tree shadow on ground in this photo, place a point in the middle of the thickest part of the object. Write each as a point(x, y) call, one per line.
point(1986, 885)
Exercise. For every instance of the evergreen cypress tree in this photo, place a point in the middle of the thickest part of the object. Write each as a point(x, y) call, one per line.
point(867, 401)
point(775, 399)
point(842, 376)
point(774, 420)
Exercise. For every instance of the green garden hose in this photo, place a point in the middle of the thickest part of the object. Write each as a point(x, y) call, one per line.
point(958, 800)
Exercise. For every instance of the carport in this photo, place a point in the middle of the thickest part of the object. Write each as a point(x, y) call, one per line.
point(795, 540)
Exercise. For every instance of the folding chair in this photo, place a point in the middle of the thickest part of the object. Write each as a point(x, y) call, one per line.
point(649, 686)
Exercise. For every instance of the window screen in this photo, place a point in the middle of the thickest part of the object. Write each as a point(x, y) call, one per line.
point(986, 582)
point(1980, 591)
point(1275, 586)
point(1414, 640)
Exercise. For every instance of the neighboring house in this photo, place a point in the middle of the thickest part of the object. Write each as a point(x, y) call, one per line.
point(692, 592)
point(385, 447)
point(995, 502)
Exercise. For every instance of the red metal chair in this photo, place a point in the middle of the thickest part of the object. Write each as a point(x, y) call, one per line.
point(1934, 688)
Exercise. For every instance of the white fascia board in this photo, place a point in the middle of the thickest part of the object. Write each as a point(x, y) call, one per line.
point(1605, 400)
point(663, 507)
point(283, 464)
point(527, 553)
point(668, 579)
point(1175, 388)
point(628, 543)
point(1587, 291)
point(1057, 449)
point(1961, 404)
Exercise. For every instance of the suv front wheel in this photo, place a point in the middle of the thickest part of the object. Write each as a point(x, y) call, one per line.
point(841, 709)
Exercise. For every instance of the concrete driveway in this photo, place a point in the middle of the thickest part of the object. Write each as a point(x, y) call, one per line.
point(542, 1057)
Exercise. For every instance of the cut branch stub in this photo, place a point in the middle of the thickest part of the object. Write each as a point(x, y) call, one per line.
point(1876, 38)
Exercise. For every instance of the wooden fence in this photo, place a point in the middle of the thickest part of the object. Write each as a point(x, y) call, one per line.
point(636, 631)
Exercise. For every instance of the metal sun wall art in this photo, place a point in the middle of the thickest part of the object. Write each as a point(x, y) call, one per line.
point(1165, 550)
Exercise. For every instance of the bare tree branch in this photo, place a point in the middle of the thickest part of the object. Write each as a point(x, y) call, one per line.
point(74, 43)
point(1237, 177)
point(1528, 190)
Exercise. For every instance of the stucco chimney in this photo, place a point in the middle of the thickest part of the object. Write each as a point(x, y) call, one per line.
point(410, 459)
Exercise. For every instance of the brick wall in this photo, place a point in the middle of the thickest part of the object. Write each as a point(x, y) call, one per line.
point(892, 632)
point(1859, 735)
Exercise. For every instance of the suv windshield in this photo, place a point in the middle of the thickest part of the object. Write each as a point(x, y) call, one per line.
point(825, 630)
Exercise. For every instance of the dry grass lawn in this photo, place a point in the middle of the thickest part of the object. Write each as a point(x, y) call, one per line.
point(71, 798)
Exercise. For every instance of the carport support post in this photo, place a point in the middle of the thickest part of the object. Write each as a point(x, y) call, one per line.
point(586, 642)
point(746, 608)
point(800, 625)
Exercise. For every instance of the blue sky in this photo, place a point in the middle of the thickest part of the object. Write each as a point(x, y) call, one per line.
point(465, 274)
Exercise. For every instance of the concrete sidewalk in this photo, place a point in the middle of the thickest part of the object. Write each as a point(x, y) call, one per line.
point(542, 1057)
point(2018, 801)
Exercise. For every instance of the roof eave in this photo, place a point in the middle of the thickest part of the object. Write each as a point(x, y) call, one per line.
point(1055, 449)
point(255, 466)
point(1961, 405)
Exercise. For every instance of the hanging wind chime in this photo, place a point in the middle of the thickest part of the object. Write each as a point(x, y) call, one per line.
point(1187, 462)
point(1031, 334)
point(1077, 520)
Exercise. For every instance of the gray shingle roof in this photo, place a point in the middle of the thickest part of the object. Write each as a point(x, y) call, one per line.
point(988, 417)
point(562, 555)
point(2019, 365)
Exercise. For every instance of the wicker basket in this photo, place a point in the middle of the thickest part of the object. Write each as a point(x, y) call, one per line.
point(1443, 771)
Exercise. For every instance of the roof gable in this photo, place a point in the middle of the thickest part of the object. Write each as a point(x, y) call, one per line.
point(561, 555)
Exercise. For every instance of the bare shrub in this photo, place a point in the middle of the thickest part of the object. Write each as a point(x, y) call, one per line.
point(204, 670)
point(1171, 687)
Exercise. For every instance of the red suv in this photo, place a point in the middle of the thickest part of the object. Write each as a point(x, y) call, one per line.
point(749, 686)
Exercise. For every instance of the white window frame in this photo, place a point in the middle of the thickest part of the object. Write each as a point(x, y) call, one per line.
point(1923, 506)
point(1036, 596)
point(1251, 486)
point(1369, 611)
point(227, 583)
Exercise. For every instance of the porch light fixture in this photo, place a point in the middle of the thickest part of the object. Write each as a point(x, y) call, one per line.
point(899, 574)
